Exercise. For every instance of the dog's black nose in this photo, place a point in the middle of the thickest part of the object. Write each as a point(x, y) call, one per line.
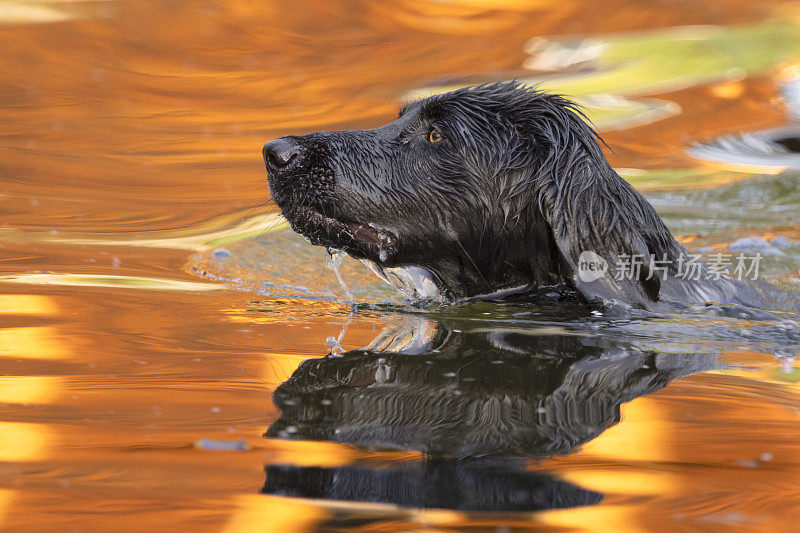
point(280, 152)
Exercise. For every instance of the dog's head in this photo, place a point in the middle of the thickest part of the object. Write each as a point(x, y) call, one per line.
point(488, 188)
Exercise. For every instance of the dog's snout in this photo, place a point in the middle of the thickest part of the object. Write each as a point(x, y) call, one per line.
point(280, 152)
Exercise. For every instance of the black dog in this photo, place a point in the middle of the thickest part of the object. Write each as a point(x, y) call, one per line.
point(487, 189)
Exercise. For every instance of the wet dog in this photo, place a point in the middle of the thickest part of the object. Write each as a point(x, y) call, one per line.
point(483, 191)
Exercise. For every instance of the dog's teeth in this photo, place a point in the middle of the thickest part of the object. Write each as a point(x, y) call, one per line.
point(381, 229)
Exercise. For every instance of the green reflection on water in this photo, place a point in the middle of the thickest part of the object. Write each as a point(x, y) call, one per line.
point(651, 62)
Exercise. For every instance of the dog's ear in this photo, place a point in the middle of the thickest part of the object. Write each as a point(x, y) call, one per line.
point(606, 233)
point(604, 271)
point(608, 237)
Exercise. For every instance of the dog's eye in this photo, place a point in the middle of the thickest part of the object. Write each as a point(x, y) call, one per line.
point(434, 136)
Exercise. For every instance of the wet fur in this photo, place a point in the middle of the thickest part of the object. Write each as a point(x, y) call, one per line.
point(517, 189)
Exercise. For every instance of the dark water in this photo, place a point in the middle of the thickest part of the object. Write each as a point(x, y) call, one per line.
point(173, 358)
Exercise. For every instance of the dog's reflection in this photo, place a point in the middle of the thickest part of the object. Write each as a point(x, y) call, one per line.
point(466, 485)
point(475, 402)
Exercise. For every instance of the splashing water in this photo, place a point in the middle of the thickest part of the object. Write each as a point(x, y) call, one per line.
point(334, 262)
point(334, 344)
point(414, 282)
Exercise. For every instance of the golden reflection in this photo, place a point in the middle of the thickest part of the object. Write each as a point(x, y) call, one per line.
point(643, 435)
point(280, 513)
point(789, 73)
point(29, 389)
point(619, 481)
point(39, 342)
point(747, 170)
point(309, 453)
point(612, 518)
point(108, 280)
point(279, 367)
point(23, 441)
point(27, 304)
point(33, 11)
point(255, 512)
point(728, 90)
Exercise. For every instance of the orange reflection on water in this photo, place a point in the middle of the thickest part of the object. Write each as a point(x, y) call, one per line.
point(29, 389)
point(131, 138)
point(27, 304)
point(33, 342)
point(24, 442)
point(256, 512)
point(643, 437)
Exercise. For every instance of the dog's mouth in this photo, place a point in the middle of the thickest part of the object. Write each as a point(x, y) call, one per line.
point(363, 241)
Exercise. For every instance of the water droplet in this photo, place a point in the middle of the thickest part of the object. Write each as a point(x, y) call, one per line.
point(220, 253)
point(334, 262)
point(333, 344)
point(221, 445)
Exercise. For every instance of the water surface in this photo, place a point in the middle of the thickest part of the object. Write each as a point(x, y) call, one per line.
point(174, 358)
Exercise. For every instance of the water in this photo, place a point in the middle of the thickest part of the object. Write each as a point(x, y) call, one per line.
point(173, 357)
